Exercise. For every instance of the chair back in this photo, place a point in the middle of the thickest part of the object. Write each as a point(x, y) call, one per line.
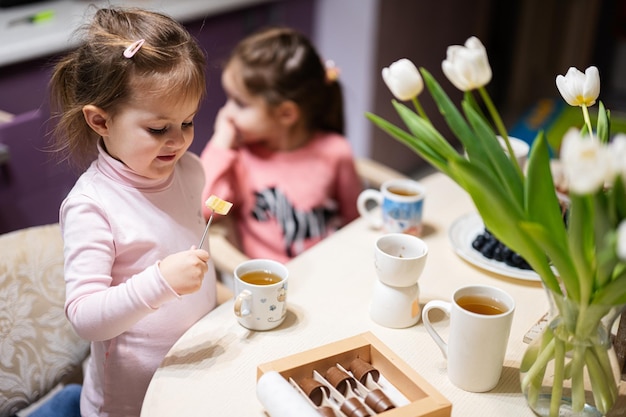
point(38, 347)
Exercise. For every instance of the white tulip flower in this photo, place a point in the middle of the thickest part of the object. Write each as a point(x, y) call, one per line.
point(621, 240)
point(467, 67)
point(617, 157)
point(579, 89)
point(585, 162)
point(403, 79)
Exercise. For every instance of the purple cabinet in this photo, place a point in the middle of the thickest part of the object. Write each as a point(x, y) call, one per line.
point(33, 183)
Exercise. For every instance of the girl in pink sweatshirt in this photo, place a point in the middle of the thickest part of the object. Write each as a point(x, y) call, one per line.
point(278, 150)
point(126, 99)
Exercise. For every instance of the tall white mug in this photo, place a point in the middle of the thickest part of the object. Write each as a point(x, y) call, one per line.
point(480, 324)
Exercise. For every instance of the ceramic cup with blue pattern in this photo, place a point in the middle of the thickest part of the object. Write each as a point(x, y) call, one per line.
point(401, 204)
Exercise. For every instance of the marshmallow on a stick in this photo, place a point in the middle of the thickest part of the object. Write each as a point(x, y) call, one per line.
point(218, 205)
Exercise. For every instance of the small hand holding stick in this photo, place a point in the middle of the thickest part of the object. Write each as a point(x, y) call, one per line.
point(217, 205)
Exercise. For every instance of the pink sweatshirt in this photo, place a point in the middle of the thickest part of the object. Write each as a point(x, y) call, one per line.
point(285, 202)
point(116, 227)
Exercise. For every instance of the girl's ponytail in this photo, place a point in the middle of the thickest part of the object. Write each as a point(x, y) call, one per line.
point(333, 118)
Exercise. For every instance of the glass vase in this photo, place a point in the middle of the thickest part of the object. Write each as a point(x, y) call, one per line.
point(571, 369)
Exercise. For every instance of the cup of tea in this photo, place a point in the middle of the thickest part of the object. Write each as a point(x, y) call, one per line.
point(399, 259)
point(260, 287)
point(480, 324)
point(401, 203)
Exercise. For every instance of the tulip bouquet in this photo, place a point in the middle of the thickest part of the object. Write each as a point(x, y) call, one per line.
point(582, 265)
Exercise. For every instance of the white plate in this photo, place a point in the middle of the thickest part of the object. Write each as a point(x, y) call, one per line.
point(463, 232)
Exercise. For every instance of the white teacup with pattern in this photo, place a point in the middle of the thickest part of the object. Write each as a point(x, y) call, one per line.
point(260, 294)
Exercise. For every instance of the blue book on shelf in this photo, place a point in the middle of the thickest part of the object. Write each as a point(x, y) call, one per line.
point(542, 116)
point(554, 116)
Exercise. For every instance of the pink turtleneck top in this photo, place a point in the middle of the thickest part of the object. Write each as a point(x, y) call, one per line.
point(116, 227)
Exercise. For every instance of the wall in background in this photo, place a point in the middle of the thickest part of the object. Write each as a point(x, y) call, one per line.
point(366, 36)
point(345, 31)
point(528, 43)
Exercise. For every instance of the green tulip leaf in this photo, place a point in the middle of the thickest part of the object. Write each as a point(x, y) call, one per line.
point(613, 293)
point(452, 115)
point(417, 146)
point(581, 239)
point(498, 159)
point(618, 200)
point(602, 231)
point(471, 100)
point(541, 202)
point(501, 216)
point(423, 130)
point(603, 126)
point(558, 253)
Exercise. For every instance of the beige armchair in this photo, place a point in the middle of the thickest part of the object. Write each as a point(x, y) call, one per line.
point(225, 251)
point(38, 347)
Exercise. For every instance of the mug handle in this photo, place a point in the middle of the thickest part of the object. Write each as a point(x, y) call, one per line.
point(443, 306)
point(242, 304)
point(375, 221)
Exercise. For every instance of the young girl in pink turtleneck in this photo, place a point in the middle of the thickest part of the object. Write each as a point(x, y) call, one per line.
point(126, 100)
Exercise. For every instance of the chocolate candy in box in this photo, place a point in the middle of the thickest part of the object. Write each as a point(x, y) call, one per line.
point(413, 395)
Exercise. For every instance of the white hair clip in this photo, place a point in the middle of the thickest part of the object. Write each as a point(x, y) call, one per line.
point(332, 71)
point(133, 48)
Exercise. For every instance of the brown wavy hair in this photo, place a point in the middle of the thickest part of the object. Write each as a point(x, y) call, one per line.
point(169, 62)
point(281, 64)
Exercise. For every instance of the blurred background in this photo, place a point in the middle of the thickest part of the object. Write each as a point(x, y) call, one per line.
point(529, 42)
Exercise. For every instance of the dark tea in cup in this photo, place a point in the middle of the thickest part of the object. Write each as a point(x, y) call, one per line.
point(405, 192)
point(481, 305)
point(260, 278)
point(480, 324)
point(260, 288)
point(401, 203)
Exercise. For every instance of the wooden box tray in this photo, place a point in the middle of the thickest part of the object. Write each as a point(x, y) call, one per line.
point(424, 399)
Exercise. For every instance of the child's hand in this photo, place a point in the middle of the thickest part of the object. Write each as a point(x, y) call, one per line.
point(184, 271)
point(225, 132)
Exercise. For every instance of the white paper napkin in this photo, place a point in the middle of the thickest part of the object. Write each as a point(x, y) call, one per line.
point(280, 399)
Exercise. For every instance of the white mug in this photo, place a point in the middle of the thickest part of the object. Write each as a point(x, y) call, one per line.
point(480, 323)
point(399, 259)
point(401, 202)
point(260, 294)
point(395, 307)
